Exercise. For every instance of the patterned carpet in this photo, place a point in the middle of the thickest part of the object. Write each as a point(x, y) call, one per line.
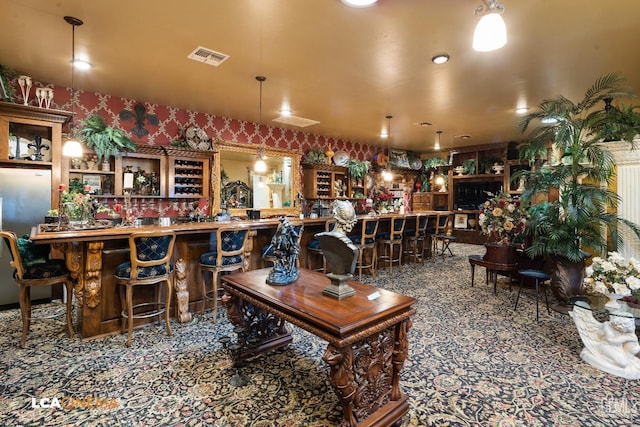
point(473, 361)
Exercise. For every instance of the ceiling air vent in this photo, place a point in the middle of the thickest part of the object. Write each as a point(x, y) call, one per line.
point(295, 121)
point(208, 56)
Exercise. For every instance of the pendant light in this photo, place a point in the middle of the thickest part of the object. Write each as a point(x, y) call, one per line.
point(491, 32)
point(436, 146)
point(260, 166)
point(386, 174)
point(72, 147)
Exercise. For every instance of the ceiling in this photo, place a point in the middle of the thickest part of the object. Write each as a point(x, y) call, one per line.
point(345, 67)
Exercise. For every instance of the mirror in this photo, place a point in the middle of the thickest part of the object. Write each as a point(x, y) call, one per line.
point(237, 187)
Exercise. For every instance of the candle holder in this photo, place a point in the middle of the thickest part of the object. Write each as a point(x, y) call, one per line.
point(127, 218)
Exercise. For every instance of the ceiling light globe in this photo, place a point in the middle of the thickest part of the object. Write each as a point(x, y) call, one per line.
point(490, 33)
point(387, 176)
point(440, 58)
point(260, 166)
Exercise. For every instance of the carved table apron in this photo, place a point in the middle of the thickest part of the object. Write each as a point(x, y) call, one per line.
point(368, 341)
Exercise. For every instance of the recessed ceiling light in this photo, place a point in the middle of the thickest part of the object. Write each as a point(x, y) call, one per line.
point(423, 123)
point(359, 3)
point(521, 110)
point(463, 136)
point(440, 58)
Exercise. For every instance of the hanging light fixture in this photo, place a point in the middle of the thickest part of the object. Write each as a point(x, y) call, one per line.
point(386, 174)
point(491, 32)
point(436, 146)
point(260, 166)
point(72, 147)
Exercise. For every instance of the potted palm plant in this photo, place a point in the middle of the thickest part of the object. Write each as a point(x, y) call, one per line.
point(562, 229)
point(104, 140)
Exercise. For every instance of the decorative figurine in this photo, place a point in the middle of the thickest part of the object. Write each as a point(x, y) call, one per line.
point(341, 254)
point(609, 346)
point(286, 247)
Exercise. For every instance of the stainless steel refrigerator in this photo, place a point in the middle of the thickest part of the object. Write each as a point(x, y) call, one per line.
point(25, 198)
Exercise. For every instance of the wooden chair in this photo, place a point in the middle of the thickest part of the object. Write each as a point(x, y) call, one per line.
point(50, 272)
point(415, 239)
point(314, 249)
point(149, 264)
point(392, 240)
point(366, 244)
point(226, 254)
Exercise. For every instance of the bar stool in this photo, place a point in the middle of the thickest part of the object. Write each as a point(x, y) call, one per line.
point(439, 234)
point(226, 254)
point(415, 239)
point(149, 264)
point(313, 247)
point(366, 242)
point(44, 272)
point(392, 240)
point(540, 277)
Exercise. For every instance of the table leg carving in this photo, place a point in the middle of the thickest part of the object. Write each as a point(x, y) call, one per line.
point(74, 261)
point(366, 374)
point(340, 360)
point(92, 274)
point(182, 292)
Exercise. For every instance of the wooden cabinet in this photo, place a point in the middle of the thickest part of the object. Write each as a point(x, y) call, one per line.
point(326, 182)
point(188, 176)
point(31, 137)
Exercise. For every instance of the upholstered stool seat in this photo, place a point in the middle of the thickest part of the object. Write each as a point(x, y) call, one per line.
point(150, 254)
point(40, 272)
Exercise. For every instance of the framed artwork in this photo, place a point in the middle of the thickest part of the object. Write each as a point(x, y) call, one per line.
point(399, 158)
point(93, 181)
point(460, 220)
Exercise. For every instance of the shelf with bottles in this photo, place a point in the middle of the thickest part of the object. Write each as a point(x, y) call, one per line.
point(326, 181)
point(141, 175)
point(188, 177)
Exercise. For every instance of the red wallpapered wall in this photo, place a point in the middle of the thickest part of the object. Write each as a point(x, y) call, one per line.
point(174, 120)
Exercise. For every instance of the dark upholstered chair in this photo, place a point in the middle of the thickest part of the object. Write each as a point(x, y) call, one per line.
point(149, 264)
point(43, 272)
point(313, 247)
point(392, 241)
point(226, 254)
point(367, 246)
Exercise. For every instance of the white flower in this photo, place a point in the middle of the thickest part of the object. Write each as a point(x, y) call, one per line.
point(633, 282)
point(511, 207)
point(588, 271)
point(621, 289)
point(608, 266)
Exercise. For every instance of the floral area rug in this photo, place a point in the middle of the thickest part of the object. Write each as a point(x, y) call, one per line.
point(473, 361)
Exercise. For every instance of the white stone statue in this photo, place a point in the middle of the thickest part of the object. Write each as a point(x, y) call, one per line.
point(609, 346)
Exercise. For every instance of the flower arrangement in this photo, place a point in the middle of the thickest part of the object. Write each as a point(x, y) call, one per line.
point(382, 199)
point(502, 219)
point(613, 275)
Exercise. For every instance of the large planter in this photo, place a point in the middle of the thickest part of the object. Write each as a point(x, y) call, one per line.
point(567, 277)
point(501, 254)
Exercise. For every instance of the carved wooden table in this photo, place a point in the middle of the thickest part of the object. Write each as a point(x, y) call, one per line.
point(368, 341)
point(492, 268)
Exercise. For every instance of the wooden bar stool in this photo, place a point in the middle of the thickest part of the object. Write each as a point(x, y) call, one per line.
point(226, 254)
point(313, 247)
point(391, 241)
point(149, 264)
point(45, 272)
point(415, 239)
point(367, 246)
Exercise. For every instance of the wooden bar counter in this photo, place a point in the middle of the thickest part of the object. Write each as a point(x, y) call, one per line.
point(92, 256)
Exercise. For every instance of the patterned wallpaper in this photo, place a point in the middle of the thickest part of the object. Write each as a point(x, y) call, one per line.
point(173, 121)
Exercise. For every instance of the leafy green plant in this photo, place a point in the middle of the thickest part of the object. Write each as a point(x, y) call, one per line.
point(485, 164)
point(577, 219)
point(104, 140)
point(434, 162)
point(315, 156)
point(358, 169)
point(469, 166)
